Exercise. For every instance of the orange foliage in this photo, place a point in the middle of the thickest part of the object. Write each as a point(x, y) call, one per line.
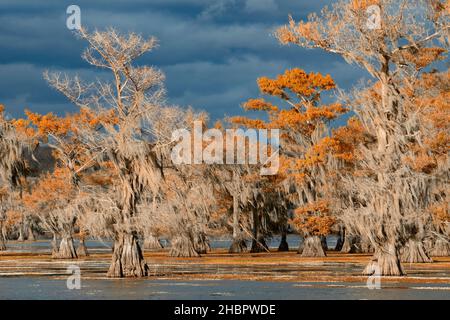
point(13, 217)
point(299, 114)
point(52, 191)
point(259, 104)
point(363, 4)
point(441, 212)
point(422, 163)
point(346, 140)
point(93, 120)
point(62, 134)
point(49, 123)
point(423, 57)
point(308, 86)
point(302, 92)
point(314, 219)
point(23, 126)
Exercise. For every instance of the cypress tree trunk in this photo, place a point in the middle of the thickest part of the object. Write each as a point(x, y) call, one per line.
point(385, 262)
point(2, 237)
point(352, 244)
point(82, 250)
point(346, 244)
point(366, 246)
point(2, 243)
point(312, 247)
point(323, 241)
point(284, 246)
point(441, 248)
point(340, 240)
point(55, 249)
point(414, 252)
point(258, 242)
point(259, 245)
point(201, 243)
point(152, 243)
point(127, 258)
point(339, 244)
point(30, 234)
point(238, 245)
point(301, 245)
point(67, 248)
point(183, 246)
point(20, 238)
point(428, 245)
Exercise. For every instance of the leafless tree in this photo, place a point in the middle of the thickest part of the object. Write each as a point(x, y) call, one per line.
point(122, 109)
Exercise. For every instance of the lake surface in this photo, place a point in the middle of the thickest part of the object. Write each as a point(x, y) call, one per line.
point(42, 288)
point(46, 278)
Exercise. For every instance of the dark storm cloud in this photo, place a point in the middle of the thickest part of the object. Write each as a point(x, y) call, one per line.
point(212, 51)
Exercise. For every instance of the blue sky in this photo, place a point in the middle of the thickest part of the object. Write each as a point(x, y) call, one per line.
point(212, 51)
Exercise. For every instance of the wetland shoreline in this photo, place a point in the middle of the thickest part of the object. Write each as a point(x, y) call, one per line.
point(220, 265)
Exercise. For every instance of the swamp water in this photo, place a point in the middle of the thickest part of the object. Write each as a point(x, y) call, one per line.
point(45, 278)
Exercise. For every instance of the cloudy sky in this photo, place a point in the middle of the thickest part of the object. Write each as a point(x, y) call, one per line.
point(211, 51)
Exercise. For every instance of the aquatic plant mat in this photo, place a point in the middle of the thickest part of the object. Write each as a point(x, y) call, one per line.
point(220, 265)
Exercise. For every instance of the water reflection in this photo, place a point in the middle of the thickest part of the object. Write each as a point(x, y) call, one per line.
point(41, 288)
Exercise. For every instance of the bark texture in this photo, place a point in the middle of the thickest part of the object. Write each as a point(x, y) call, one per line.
point(127, 258)
point(152, 243)
point(258, 241)
point(312, 247)
point(352, 244)
point(67, 249)
point(259, 245)
point(2, 237)
point(441, 248)
point(385, 262)
point(201, 243)
point(20, 238)
point(366, 246)
point(55, 248)
point(340, 242)
point(414, 252)
point(82, 250)
point(323, 240)
point(2, 243)
point(284, 246)
point(238, 246)
point(183, 246)
point(301, 246)
point(31, 234)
